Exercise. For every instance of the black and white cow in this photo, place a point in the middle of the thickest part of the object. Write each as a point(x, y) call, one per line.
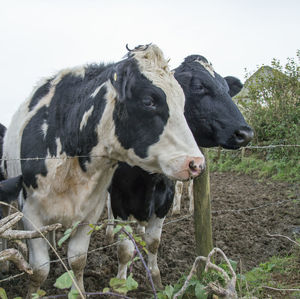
point(74, 128)
point(214, 120)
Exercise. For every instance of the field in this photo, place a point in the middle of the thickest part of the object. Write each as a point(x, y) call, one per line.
point(245, 210)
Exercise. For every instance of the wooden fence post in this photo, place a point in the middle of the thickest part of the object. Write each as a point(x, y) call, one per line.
point(202, 213)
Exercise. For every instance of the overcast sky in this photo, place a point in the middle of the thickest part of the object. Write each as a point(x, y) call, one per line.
point(40, 37)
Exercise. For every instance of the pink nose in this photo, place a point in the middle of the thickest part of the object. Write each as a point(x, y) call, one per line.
point(196, 165)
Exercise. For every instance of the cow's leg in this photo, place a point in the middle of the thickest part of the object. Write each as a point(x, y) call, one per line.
point(152, 239)
point(177, 198)
point(77, 253)
point(39, 260)
point(110, 222)
point(191, 196)
point(38, 251)
point(125, 255)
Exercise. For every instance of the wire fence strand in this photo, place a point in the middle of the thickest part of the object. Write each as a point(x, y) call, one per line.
point(64, 157)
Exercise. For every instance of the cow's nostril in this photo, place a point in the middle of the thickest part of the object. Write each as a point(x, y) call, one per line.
point(243, 137)
point(192, 165)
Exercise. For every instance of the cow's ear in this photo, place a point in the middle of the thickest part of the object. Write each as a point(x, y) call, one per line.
point(183, 78)
point(123, 79)
point(234, 84)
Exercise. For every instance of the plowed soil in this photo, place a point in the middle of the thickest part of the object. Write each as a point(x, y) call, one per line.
point(244, 211)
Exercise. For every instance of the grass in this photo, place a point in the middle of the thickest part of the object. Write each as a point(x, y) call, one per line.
point(283, 169)
point(278, 272)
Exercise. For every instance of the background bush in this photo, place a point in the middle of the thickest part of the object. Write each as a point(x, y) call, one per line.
point(270, 102)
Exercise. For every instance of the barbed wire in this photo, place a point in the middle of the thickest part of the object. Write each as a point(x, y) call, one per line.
point(237, 210)
point(102, 156)
point(270, 146)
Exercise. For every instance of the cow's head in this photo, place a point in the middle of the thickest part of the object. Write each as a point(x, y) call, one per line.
point(209, 110)
point(148, 116)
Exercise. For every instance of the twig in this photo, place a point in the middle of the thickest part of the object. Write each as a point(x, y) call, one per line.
point(281, 290)
point(9, 221)
point(91, 294)
point(282, 236)
point(143, 261)
point(227, 292)
point(50, 245)
point(17, 258)
point(12, 277)
point(22, 247)
point(20, 234)
point(192, 272)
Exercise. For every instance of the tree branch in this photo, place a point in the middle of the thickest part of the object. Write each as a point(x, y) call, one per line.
point(17, 258)
point(20, 235)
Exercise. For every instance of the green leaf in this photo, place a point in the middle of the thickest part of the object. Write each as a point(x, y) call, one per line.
point(105, 290)
point(73, 294)
point(118, 285)
point(63, 239)
point(41, 293)
point(3, 294)
point(161, 296)
point(18, 298)
point(121, 290)
point(64, 281)
point(200, 291)
point(233, 264)
point(116, 282)
point(128, 228)
point(169, 291)
point(117, 229)
point(131, 284)
point(67, 233)
point(98, 227)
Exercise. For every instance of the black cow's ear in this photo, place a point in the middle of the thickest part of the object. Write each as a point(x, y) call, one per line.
point(183, 78)
point(123, 79)
point(234, 84)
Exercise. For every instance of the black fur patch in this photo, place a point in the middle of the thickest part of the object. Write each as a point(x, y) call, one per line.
point(39, 94)
point(137, 125)
point(210, 112)
point(135, 192)
point(63, 116)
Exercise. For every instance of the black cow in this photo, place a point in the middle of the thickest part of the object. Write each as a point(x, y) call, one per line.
point(67, 137)
point(214, 120)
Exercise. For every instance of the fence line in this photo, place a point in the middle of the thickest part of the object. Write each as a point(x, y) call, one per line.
point(271, 146)
point(103, 156)
point(235, 211)
point(166, 223)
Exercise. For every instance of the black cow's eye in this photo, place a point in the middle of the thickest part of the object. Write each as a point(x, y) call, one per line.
point(198, 87)
point(149, 103)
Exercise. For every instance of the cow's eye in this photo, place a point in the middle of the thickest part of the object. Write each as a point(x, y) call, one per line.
point(149, 103)
point(198, 87)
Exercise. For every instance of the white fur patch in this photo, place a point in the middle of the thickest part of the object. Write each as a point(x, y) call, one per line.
point(97, 90)
point(44, 128)
point(85, 117)
point(78, 71)
point(207, 66)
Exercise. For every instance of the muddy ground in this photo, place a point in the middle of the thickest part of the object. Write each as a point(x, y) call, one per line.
point(265, 207)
